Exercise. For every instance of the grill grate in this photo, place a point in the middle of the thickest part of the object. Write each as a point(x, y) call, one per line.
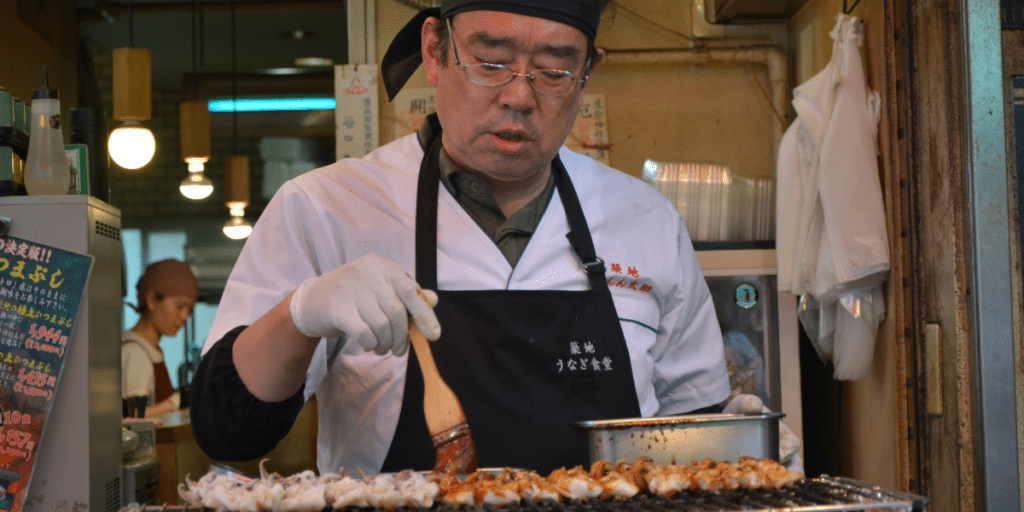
point(835, 494)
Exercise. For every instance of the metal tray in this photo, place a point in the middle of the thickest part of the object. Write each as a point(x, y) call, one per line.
point(682, 439)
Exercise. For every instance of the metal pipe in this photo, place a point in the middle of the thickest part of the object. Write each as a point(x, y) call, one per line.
point(769, 56)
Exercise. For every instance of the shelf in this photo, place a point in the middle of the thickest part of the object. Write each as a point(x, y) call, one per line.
point(731, 262)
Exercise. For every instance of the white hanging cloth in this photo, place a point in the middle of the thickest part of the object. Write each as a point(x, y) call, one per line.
point(831, 241)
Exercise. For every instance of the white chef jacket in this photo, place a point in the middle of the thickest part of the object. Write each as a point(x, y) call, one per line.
point(335, 214)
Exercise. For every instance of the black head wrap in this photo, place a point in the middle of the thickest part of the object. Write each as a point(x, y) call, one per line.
point(403, 56)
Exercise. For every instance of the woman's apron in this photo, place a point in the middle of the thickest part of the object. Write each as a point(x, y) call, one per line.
point(525, 364)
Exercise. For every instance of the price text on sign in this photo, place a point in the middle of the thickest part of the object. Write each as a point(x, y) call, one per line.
point(41, 288)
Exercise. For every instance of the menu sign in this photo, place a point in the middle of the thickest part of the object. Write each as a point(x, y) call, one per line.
point(40, 290)
point(589, 134)
point(355, 110)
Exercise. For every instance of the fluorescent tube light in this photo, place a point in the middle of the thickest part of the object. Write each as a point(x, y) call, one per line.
point(271, 104)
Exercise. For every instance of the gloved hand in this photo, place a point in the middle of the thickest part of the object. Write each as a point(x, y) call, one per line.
point(370, 300)
point(745, 404)
point(789, 443)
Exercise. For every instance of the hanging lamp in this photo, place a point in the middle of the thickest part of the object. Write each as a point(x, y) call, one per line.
point(236, 167)
point(236, 196)
point(195, 135)
point(132, 145)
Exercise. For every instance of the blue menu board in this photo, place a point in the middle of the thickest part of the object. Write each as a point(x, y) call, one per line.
point(41, 288)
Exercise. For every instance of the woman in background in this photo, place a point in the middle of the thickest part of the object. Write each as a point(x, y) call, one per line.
point(167, 293)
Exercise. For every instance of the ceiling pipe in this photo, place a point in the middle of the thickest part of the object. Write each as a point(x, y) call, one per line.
point(703, 26)
point(771, 57)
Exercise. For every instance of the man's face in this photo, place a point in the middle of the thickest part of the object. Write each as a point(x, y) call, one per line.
point(509, 133)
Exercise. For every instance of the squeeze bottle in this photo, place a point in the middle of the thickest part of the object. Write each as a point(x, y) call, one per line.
point(46, 168)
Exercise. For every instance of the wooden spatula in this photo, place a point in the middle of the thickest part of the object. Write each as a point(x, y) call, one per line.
point(446, 421)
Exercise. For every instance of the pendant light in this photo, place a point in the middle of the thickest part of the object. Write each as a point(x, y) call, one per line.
point(236, 167)
point(195, 135)
point(236, 196)
point(132, 145)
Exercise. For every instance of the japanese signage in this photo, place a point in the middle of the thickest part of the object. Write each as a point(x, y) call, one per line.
point(411, 106)
point(40, 290)
point(590, 132)
point(355, 115)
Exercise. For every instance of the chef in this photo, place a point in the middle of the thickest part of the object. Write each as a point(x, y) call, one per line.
point(565, 290)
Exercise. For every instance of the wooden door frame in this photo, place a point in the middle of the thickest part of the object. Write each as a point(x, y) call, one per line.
point(962, 430)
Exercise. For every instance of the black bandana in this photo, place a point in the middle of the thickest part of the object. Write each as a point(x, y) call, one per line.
point(403, 56)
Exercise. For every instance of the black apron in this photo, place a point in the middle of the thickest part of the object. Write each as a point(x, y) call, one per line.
point(525, 364)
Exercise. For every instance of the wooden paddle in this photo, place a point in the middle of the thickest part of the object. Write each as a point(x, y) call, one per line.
point(446, 421)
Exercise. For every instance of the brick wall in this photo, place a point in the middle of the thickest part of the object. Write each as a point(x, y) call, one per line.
point(148, 197)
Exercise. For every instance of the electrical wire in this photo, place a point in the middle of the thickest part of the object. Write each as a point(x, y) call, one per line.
point(760, 87)
point(234, 78)
point(618, 5)
point(202, 37)
point(764, 95)
point(131, 27)
point(195, 86)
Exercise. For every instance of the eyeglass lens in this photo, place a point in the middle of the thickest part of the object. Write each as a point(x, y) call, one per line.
point(554, 82)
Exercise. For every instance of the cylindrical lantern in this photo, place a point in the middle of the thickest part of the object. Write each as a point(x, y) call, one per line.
point(195, 149)
point(236, 180)
point(236, 195)
point(132, 87)
point(195, 130)
point(132, 145)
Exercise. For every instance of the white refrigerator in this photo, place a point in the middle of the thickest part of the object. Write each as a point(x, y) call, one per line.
point(78, 464)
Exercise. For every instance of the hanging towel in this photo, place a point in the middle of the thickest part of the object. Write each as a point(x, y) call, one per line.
point(831, 240)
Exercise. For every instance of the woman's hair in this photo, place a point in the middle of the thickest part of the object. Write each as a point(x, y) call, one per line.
point(142, 306)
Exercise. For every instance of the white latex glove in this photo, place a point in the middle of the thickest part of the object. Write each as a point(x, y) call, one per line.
point(369, 300)
point(789, 443)
point(745, 404)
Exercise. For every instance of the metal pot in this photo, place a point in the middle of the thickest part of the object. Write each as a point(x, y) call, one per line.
point(682, 439)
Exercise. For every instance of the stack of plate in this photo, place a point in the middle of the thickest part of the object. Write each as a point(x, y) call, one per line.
point(716, 205)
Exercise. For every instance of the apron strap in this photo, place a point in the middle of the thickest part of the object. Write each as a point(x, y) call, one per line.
point(426, 211)
point(426, 218)
point(579, 232)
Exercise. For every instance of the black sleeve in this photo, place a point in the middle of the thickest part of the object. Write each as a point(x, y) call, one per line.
point(229, 423)
point(711, 409)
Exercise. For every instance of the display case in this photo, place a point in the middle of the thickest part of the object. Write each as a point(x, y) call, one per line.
point(759, 325)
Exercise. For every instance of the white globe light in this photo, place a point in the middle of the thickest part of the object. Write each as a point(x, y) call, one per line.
point(131, 145)
point(237, 228)
point(196, 186)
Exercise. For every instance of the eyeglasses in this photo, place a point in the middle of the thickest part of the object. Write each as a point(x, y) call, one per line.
point(551, 82)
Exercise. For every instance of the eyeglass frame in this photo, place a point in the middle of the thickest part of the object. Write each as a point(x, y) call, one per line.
point(579, 82)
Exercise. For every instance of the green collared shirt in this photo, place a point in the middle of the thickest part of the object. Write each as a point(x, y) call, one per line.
point(510, 234)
